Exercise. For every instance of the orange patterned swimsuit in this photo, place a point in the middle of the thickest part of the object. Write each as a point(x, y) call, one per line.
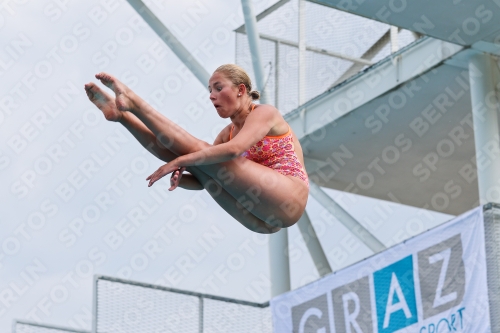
point(277, 153)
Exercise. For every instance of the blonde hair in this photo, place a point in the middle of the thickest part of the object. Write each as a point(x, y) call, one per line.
point(237, 76)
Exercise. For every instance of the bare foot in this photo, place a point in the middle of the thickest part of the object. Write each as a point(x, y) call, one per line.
point(122, 92)
point(103, 101)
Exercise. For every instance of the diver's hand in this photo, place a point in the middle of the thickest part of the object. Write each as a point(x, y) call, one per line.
point(162, 171)
point(175, 179)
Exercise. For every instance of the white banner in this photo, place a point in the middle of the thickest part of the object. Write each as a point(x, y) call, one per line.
point(433, 283)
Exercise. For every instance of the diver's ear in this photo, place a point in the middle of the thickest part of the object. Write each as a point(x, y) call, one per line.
point(242, 89)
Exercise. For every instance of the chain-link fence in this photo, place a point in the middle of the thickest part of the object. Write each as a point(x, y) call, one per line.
point(492, 247)
point(338, 45)
point(126, 306)
point(21, 326)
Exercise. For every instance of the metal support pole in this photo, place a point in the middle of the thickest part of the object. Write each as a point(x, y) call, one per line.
point(253, 42)
point(279, 263)
point(313, 245)
point(394, 39)
point(38, 327)
point(180, 51)
point(278, 242)
point(276, 74)
point(483, 77)
point(318, 50)
point(345, 218)
point(264, 14)
point(302, 52)
point(95, 292)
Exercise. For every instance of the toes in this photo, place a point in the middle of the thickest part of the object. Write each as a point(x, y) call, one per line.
point(89, 93)
point(103, 77)
point(90, 89)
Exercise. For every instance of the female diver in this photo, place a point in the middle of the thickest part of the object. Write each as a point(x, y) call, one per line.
point(254, 169)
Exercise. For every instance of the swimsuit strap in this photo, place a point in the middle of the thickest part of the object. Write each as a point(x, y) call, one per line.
point(280, 136)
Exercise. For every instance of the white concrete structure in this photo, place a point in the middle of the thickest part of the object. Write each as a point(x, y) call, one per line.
point(416, 111)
